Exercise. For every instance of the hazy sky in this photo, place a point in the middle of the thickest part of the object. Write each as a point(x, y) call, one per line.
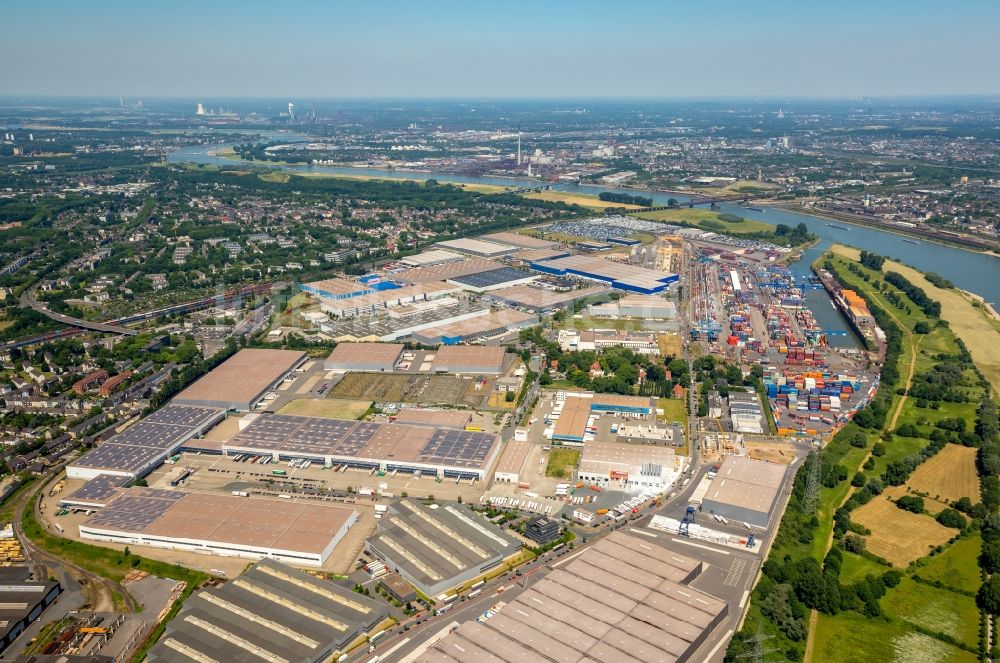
point(508, 48)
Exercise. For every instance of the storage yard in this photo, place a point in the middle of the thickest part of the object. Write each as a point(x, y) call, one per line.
point(429, 389)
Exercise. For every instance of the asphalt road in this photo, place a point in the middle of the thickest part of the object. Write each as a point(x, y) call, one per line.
point(28, 299)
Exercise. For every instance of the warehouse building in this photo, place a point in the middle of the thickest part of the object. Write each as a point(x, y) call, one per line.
point(436, 549)
point(272, 613)
point(479, 359)
point(621, 276)
point(445, 271)
point(574, 414)
point(240, 382)
point(477, 247)
point(494, 279)
point(622, 599)
point(511, 464)
point(648, 307)
point(304, 534)
point(341, 288)
point(745, 490)
point(388, 447)
point(541, 300)
point(134, 452)
point(403, 321)
point(21, 603)
point(746, 412)
point(432, 257)
point(370, 357)
point(382, 300)
point(634, 468)
point(96, 493)
point(599, 340)
point(475, 328)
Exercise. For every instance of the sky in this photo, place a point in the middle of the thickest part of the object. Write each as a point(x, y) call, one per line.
point(511, 48)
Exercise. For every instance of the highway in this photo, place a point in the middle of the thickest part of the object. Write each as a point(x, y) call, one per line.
point(28, 299)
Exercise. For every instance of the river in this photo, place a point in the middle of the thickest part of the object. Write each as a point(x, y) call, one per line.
point(975, 272)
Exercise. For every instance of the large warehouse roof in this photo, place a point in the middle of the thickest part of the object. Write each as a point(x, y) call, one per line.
point(623, 276)
point(432, 257)
point(493, 279)
point(271, 612)
point(601, 456)
point(622, 599)
point(542, 300)
point(145, 443)
point(469, 358)
point(223, 522)
point(470, 329)
point(445, 271)
point(241, 380)
point(346, 440)
point(364, 357)
point(746, 484)
point(477, 247)
point(431, 546)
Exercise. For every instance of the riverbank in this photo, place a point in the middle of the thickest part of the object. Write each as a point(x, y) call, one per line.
point(932, 237)
point(977, 327)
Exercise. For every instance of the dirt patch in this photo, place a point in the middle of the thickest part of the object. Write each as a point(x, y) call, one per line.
point(899, 536)
point(439, 389)
point(329, 408)
point(775, 453)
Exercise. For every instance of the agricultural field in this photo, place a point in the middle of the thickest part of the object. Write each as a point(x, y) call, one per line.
point(562, 461)
point(329, 408)
point(956, 567)
point(697, 217)
point(948, 475)
point(381, 387)
point(899, 536)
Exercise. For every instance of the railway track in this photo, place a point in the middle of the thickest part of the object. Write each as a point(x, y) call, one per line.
point(37, 557)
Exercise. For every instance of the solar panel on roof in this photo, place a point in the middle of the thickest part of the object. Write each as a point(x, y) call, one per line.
point(492, 277)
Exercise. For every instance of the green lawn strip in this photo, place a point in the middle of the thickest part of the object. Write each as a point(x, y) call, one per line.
point(830, 501)
point(956, 567)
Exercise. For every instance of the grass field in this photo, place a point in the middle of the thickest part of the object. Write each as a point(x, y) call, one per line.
point(948, 475)
point(696, 217)
point(970, 323)
point(674, 409)
point(670, 345)
point(581, 199)
point(852, 638)
point(856, 567)
point(562, 462)
point(957, 567)
point(899, 536)
point(329, 408)
point(941, 610)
